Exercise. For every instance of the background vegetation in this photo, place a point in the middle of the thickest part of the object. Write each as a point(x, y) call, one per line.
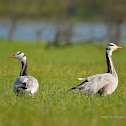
point(64, 14)
point(57, 70)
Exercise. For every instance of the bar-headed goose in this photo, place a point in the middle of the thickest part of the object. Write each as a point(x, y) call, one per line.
point(101, 83)
point(25, 83)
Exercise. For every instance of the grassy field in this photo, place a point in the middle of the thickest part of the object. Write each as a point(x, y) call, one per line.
point(57, 70)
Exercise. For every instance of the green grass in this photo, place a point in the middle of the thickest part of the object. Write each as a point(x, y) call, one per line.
point(57, 70)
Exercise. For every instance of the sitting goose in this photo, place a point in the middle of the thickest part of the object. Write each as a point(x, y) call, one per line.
point(101, 83)
point(25, 83)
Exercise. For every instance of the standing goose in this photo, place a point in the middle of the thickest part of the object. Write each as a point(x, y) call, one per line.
point(25, 83)
point(101, 83)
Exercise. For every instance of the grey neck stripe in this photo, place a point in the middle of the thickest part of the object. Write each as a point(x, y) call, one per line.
point(111, 68)
point(24, 68)
point(109, 63)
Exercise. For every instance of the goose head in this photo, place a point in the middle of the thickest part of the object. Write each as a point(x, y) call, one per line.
point(19, 55)
point(112, 47)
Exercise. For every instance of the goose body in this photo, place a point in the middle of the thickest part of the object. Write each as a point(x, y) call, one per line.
point(100, 83)
point(25, 83)
point(103, 84)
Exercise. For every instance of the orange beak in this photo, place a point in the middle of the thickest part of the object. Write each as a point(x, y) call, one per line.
point(12, 56)
point(118, 47)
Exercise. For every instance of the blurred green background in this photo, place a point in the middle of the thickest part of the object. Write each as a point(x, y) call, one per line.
point(68, 21)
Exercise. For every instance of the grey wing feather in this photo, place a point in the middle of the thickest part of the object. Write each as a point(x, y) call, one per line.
point(96, 82)
point(29, 83)
point(22, 85)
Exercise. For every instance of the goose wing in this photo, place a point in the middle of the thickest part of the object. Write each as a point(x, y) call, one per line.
point(95, 83)
point(29, 83)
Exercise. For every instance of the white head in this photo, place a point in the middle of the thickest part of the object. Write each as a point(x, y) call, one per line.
point(19, 55)
point(111, 47)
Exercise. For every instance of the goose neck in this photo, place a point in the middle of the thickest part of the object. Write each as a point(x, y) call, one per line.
point(24, 68)
point(111, 68)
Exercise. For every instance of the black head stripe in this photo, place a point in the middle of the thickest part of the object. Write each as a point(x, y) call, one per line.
point(107, 48)
point(19, 53)
point(111, 45)
point(23, 55)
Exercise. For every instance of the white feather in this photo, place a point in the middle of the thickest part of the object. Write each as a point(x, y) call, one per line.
point(81, 78)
